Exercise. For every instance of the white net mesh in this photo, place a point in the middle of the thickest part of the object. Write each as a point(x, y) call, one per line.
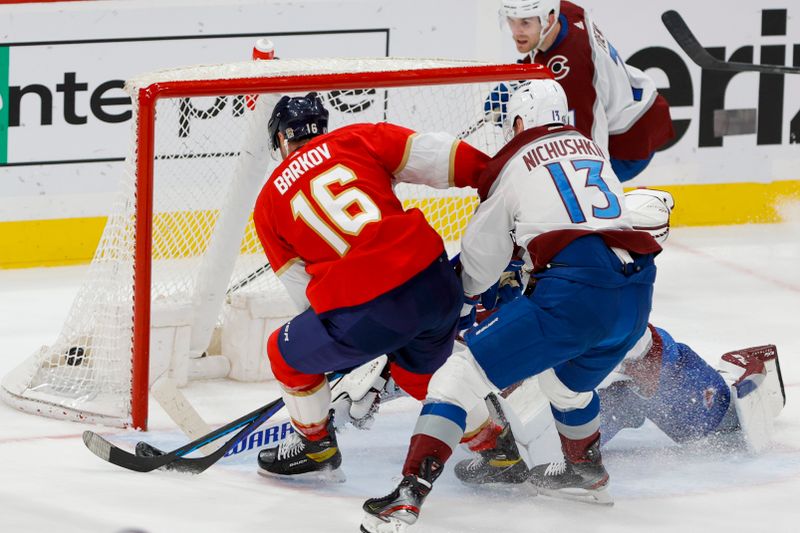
point(86, 372)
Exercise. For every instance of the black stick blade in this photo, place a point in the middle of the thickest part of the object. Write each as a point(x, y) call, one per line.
point(114, 455)
point(97, 445)
point(691, 46)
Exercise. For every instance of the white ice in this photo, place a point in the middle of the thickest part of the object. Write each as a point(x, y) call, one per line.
point(718, 289)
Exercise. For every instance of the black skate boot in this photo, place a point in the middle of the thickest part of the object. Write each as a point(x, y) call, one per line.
point(501, 464)
point(400, 508)
point(299, 456)
point(583, 480)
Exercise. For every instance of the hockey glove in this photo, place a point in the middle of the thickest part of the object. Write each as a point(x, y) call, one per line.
point(508, 288)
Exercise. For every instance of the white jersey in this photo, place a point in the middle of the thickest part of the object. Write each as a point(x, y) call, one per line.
point(548, 187)
point(611, 102)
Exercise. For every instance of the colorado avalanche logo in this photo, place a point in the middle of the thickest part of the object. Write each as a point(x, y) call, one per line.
point(558, 66)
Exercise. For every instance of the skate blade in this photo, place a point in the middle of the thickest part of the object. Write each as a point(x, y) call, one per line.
point(373, 524)
point(319, 476)
point(596, 497)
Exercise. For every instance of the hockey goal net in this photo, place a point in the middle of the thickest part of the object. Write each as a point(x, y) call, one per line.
point(179, 255)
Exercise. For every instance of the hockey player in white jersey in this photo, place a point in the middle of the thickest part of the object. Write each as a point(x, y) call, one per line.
point(612, 103)
point(551, 191)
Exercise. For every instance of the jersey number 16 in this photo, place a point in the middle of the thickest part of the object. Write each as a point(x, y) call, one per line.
point(336, 208)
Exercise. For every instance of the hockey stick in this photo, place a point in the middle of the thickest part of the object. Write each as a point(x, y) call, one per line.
point(250, 277)
point(172, 400)
point(175, 459)
point(688, 42)
point(473, 128)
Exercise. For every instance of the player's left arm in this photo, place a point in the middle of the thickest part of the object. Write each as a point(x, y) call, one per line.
point(625, 92)
point(435, 159)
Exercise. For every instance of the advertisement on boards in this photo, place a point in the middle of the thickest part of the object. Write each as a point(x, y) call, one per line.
point(65, 121)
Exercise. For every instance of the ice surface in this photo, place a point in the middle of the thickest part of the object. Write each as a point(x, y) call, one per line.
point(718, 289)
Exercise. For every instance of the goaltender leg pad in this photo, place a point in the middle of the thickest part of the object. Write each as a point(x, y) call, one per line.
point(539, 439)
point(756, 392)
point(502, 412)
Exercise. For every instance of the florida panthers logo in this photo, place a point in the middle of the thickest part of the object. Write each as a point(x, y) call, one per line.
point(558, 66)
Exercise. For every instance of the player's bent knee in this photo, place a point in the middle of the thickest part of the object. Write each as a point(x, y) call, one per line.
point(562, 397)
point(416, 385)
point(289, 377)
point(460, 381)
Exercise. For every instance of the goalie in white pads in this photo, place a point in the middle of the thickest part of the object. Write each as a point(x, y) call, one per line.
point(660, 380)
point(551, 191)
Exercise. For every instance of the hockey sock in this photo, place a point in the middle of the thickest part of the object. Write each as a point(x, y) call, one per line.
point(439, 429)
point(575, 450)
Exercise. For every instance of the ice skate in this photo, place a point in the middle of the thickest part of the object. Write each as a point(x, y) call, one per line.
point(299, 457)
point(400, 508)
point(501, 464)
point(585, 480)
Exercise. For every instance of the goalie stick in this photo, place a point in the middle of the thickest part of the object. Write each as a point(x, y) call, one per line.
point(688, 42)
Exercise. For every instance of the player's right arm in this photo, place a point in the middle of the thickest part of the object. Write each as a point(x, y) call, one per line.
point(288, 267)
point(487, 246)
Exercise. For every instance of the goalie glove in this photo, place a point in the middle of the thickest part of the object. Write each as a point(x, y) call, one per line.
point(650, 210)
point(357, 396)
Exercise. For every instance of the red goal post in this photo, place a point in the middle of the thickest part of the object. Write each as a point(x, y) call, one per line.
point(396, 90)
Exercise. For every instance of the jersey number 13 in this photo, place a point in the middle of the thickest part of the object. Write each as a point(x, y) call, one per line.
point(594, 178)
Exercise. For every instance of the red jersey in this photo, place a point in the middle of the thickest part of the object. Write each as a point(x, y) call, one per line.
point(331, 224)
point(612, 103)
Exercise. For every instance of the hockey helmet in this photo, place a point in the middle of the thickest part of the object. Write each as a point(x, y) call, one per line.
point(298, 118)
point(537, 103)
point(523, 9)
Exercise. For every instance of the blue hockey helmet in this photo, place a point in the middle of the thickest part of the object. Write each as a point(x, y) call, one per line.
point(298, 118)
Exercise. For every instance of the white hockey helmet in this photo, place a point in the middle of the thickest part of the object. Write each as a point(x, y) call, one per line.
point(523, 9)
point(537, 103)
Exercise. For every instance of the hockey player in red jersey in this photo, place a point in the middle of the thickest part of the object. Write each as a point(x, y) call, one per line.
point(551, 191)
point(371, 277)
point(612, 103)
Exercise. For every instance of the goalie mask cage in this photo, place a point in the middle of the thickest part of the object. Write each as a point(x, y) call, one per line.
point(180, 240)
